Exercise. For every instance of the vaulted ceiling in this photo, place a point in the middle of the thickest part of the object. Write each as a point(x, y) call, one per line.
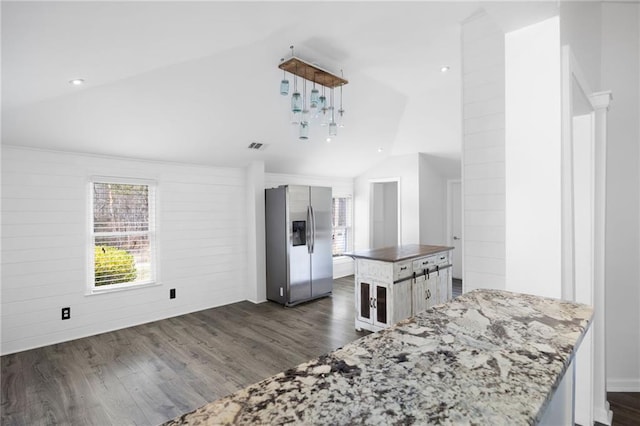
point(198, 81)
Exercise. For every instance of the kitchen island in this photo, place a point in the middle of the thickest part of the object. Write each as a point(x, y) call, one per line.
point(394, 283)
point(486, 357)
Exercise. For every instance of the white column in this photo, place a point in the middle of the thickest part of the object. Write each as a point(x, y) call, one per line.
point(600, 102)
point(256, 263)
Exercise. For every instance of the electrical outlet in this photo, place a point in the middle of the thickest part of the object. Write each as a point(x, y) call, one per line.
point(172, 293)
point(66, 313)
point(281, 292)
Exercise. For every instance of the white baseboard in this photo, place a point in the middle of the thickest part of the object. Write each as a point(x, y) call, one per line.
point(623, 385)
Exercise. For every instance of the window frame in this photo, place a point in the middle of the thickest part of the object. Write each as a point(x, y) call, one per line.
point(152, 235)
point(348, 228)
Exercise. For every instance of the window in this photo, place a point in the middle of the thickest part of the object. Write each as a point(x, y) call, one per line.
point(122, 233)
point(341, 222)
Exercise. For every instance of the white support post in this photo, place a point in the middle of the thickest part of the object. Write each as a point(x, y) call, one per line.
point(600, 102)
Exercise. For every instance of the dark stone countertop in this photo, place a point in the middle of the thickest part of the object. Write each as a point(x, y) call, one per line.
point(398, 253)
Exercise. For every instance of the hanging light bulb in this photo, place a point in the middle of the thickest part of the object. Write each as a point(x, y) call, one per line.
point(284, 84)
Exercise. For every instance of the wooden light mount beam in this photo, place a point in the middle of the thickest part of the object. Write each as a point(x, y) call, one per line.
point(301, 68)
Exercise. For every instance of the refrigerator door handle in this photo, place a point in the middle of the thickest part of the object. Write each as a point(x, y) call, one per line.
point(309, 231)
point(313, 230)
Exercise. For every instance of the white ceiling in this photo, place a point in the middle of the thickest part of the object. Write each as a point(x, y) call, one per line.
point(198, 81)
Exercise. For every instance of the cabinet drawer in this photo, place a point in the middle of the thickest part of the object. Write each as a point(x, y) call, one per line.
point(442, 259)
point(424, 263)
point(402, 270)
point(430, 262)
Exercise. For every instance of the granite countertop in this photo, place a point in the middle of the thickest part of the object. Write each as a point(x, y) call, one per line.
point(486, 357)
point(397, 253)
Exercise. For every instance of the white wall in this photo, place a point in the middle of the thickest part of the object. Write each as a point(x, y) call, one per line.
point(620, 73)
point(580, 29)
point(533, 159)
point(341, 187)
point(433, 202)
point(483, 149)
point(201, 245)
point(384, 211)
point(404, 167)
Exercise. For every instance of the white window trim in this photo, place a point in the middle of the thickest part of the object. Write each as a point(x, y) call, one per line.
point(350, 240)
point(91, 289)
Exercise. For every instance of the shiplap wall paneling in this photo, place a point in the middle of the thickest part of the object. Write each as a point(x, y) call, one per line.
point(483, 152)
point(201, 245)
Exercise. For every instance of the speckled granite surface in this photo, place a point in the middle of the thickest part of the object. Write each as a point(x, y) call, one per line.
point(487, 357)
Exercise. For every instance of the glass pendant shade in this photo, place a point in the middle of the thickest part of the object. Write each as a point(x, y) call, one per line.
point(314, 99)
point(322, 102)
point(304, 118)
point(284, 87)
point(296, 102)
point(333, 129)
point(341, 117)
point(304, 131)
point(295, 117)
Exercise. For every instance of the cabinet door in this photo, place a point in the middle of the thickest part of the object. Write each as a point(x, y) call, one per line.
point(431, 287)
point(364, 301)
point(444, 288)
point(418, 295)
point(383, 305)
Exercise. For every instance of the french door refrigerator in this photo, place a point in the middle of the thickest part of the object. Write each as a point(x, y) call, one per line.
point(298, 243)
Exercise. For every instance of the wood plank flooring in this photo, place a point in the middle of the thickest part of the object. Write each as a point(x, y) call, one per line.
point(625, 407)
point(151, 373)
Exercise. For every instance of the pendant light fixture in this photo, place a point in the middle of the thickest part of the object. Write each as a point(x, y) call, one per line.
point(296, 99)
point(333, 127)
point(304, 110)
point(284, 84)
point(341, 110)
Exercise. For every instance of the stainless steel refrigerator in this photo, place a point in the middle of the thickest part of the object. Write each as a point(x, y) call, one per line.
point(298, 237)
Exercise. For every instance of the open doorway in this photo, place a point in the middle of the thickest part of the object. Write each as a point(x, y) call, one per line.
point(384, 214)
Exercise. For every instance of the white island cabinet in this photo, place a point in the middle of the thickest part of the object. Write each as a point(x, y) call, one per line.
point(394, 283)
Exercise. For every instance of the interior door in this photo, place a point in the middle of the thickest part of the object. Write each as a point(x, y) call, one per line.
point(321, 241)
point(298, 229)
point(456, 228)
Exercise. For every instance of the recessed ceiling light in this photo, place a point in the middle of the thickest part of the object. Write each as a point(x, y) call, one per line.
point(380, 149)
point(76, 82)
point(444, 69)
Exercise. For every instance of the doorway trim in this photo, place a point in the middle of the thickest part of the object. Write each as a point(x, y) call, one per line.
point(399, 205)
point(595, 354)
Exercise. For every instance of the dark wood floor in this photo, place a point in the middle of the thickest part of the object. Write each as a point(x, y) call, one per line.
point(625, 407)
point(151, 373)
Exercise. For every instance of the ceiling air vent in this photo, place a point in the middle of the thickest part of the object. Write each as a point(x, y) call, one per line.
point(255, 145)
